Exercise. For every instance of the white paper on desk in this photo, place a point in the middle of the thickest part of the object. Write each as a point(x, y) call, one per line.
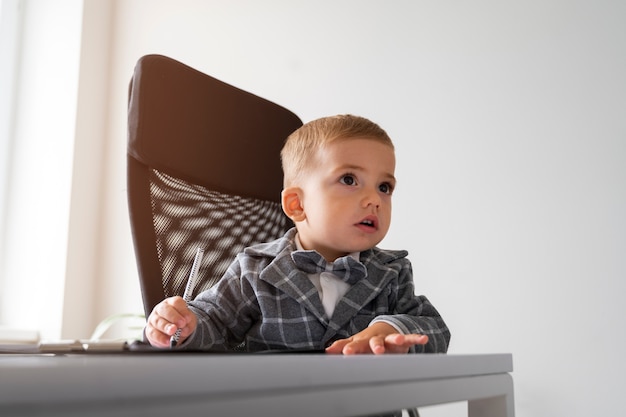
point(79, 345)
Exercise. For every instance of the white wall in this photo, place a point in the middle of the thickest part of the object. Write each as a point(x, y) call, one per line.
point(39, 165)
point(509, 123)
point(54, 119)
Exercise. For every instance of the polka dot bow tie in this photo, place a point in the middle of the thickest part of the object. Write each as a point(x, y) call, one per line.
point(345, 268)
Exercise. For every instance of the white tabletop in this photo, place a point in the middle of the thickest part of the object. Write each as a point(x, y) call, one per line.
point(277, 384)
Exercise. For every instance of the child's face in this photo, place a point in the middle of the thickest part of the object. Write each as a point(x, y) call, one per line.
point(346, 197)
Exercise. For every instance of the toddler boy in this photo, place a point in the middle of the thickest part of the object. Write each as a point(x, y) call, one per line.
point(324, 284)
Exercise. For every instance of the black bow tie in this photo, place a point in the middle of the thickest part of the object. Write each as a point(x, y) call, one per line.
point(346, 268)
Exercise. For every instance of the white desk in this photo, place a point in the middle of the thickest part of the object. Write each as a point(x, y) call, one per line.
point(175, 385)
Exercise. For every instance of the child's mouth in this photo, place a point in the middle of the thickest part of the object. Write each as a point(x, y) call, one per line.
point(368, 224)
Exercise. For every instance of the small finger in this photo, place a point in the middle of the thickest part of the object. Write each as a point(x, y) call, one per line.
point(395, 339)
point(377, 345)
point(417, 339)
point(169, 314)
point(337, 346)
point(161, 324)
point(406, 339)
point(170, 329)
point(156, 338)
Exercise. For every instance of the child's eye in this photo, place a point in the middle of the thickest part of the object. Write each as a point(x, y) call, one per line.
point(347, 179)
point(386, 188)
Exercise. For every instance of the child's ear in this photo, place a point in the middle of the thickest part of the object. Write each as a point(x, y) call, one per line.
point(291, 199)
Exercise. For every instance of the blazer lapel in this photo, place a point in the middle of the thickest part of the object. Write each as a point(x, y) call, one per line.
point(357, 297)
point(364, 291)
point(283, 274)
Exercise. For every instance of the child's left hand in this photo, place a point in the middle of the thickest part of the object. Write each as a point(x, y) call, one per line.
point(379, 338)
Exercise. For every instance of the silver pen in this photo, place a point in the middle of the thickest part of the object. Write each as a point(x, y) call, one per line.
point(191, 282)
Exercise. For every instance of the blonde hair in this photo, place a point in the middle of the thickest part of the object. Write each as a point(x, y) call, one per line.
point(301, 146)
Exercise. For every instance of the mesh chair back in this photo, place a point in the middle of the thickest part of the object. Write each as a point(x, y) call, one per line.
point(203, 171)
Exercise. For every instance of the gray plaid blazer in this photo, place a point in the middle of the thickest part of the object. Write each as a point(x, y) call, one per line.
point(264, 300)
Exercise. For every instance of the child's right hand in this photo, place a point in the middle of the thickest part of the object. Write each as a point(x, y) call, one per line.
point(168, 316)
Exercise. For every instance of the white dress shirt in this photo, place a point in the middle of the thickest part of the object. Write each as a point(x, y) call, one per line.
point(330, 287)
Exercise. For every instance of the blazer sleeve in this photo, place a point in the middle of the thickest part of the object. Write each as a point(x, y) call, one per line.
point(224, 313)
point(415, 314)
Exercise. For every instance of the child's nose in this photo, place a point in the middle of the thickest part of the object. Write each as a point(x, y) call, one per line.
point(371, 197)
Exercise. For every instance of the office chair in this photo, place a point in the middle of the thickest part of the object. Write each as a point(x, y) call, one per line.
point(203, 171)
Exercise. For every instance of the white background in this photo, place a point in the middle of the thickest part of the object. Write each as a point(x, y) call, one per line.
point(509, 120)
